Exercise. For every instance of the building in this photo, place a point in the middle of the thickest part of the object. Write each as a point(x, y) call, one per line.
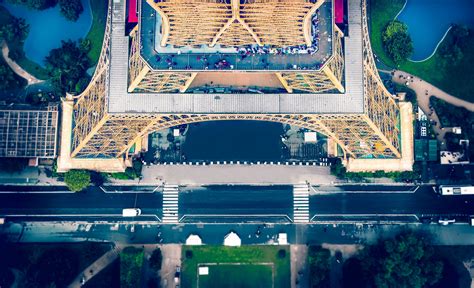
point(188, 61)
point(28, 132)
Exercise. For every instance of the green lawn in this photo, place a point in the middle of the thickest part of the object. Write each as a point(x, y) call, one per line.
point(131, 262)
point(380, 13)
point(230, 276)
point(251, 256)
point(455, 79)
point(96, 34)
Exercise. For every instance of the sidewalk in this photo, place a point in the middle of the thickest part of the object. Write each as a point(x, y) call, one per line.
point(104, 261)
point(17, 68)
point(424, 91)
point(237, 174)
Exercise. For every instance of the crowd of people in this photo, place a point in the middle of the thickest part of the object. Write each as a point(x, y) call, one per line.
point(300, 49)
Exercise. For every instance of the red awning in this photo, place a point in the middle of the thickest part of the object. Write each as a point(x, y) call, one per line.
point(339, 13)
point(132, 11)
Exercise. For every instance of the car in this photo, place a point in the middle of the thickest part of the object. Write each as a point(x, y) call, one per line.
point(131, 212)
point(446, 221)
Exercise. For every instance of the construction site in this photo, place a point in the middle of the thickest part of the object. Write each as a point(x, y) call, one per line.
point(306, 63)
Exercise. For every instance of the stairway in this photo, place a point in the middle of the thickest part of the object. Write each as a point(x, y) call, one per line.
point(301, 203)
point(170, 203)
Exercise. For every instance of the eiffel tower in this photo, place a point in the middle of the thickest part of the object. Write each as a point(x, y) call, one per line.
point(143, 75)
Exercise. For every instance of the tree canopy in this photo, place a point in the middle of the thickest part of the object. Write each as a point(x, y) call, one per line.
point(70, 9)
point(397, 42)
point(76, 180)
point(68, 66)
point(404, 261)
point(156, 259)
point(55, 268)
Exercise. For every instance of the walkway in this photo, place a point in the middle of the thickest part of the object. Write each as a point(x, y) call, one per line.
point(96, 267)
point(423, 92)
point(17, 68)
point(236, 174)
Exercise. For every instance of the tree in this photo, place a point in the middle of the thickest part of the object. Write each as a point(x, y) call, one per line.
point(318, 267)
point(76, 180)
point(404, 261)
point(8, 78)
point(15, 30)
point(71, 9)
point(68, 66)
point(55, 268)
point(397, 42)
point(156, 259)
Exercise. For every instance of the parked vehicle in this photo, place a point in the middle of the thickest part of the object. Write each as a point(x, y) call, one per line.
point(455, 190)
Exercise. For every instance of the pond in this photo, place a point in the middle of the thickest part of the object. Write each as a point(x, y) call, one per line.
point(428, 21)
point(48, 28)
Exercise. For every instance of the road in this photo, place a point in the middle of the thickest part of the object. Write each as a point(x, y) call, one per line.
point(242, 204)
point(93, 202)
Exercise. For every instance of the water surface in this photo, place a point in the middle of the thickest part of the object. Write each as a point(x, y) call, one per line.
point(48, 28)
point(428, 21)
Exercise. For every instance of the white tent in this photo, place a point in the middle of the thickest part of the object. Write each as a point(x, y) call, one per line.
point(193, 240)
point(232, 239)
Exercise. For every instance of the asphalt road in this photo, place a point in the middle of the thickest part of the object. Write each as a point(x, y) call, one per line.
point(236, 203)
point(423, 202)
point(242, 204)
point(91, 202)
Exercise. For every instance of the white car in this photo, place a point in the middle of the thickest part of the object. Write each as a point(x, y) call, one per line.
point(446, 221)
point(131, 212)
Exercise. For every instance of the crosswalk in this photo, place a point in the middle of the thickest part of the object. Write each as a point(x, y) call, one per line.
point(170, 203)
point(301, 203)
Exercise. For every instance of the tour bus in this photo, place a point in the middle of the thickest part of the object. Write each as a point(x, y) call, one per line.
point(456, 190)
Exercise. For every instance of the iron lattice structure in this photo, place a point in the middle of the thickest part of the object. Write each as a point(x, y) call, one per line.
point(235, 22)
point(98, 133)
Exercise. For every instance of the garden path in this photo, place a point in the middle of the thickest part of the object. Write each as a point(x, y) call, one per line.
point(17, 68)
point(423, 92)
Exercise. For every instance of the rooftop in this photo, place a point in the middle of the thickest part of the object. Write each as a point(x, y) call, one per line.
point(120, 101)
point(28, 132)
point(246, 57)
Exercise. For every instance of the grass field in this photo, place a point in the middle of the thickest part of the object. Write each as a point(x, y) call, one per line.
point(96, 34)
point(230, 276)
point(257, 265)
point(455, 79)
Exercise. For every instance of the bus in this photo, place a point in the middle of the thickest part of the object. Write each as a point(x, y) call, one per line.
point(455, 190)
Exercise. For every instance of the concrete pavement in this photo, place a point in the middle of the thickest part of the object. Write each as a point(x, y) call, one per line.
point(213, 234)
point(424, 91)
point(237, 174)
point(17, 68)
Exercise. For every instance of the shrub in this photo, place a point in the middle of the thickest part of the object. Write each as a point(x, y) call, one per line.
point(281, 253)
point(76, 180)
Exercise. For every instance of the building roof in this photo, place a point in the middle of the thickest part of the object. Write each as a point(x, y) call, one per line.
point(28, 131)
point(350, 102)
